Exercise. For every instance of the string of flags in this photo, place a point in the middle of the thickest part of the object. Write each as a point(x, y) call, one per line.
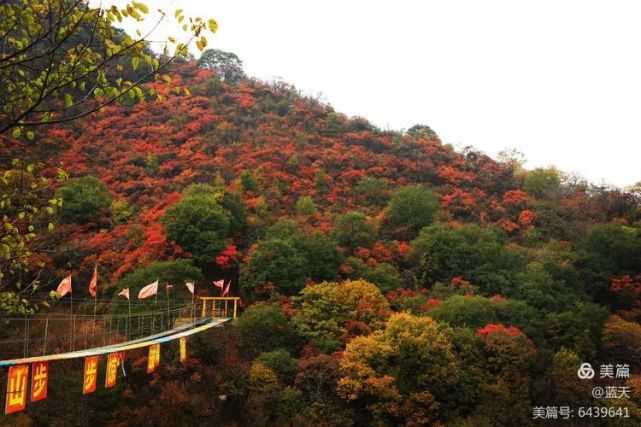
point(18, 384)
point(147, 291)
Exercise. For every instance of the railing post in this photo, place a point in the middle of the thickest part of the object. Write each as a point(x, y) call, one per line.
point(73, 330)
point(44, 344)
point(26, 336)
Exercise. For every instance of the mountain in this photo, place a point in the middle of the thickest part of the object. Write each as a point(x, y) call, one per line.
point(484, 283)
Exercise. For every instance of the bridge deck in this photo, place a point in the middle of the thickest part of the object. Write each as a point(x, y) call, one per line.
point(169, 335)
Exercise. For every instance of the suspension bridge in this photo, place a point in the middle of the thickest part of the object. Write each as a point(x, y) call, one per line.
point(29, 343)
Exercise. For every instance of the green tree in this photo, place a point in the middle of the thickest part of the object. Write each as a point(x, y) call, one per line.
point(476, 254)
point(424, 131)
point(333, 123)
point(578, 329)
point(352, 230)
point(276, 262)
point(264, 328)
point(83, 199)
point(248, 181)
point(227, 66)
point(469, 311)
point(70, 51)
point(280, 362)
point(412, 208)
point(323, 256)
point(27, 209)
point(375, 191)
point(199, 225)
point(542, 183)
point(384, 276)
point(611, 249)
point(230, 201)
point(541, 290)
point(305, 206)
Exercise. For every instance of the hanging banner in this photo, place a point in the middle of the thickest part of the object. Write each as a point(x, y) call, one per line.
point(17, 389)
point(153, 361)
point(183, 349)
point(113, 360)
point(39, 380)
point(91, 375)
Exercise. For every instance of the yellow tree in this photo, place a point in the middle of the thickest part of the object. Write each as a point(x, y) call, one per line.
point(330, 311)
point(401, 372)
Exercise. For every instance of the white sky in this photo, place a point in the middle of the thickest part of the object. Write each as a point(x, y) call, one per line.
point(559, 80)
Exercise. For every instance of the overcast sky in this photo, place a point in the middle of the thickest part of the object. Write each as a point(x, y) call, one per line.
point(558, 80)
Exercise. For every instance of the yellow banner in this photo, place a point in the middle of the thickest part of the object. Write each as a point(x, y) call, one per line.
point(183, 349)
point(17, 389)
point(153, 361)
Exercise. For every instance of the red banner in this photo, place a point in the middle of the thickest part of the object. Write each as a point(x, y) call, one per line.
point(183, 349)
point(113, 360)
point(91, 375)
point(17, 389)
point(153, 361)
point(39, 380)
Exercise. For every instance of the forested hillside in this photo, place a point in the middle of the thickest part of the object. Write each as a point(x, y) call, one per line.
point(386, 277)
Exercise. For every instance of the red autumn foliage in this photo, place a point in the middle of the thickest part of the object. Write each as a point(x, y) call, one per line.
point(499, 328)
point(228, 257)
point(526, 218)
point(515, 197)
point(430, 304)
point(628, 288)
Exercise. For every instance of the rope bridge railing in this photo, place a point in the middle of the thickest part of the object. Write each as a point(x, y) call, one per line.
point(29, 343)
point(42, 334)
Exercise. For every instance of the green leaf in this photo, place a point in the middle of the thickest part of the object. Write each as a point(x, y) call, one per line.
point(16, 133)
point(68, 100)
point(141, 7)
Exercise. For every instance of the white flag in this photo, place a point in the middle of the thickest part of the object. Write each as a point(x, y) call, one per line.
point(149, 290)
point(190, 286)
point(124, 293)
point(64, 287)
point(226, 291)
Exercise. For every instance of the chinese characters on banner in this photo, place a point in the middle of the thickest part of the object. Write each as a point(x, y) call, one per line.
point(39, 380)
point(183, 349)
point(91, 375)
point(16, 389)
point(113, 360)
point(153, 361)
